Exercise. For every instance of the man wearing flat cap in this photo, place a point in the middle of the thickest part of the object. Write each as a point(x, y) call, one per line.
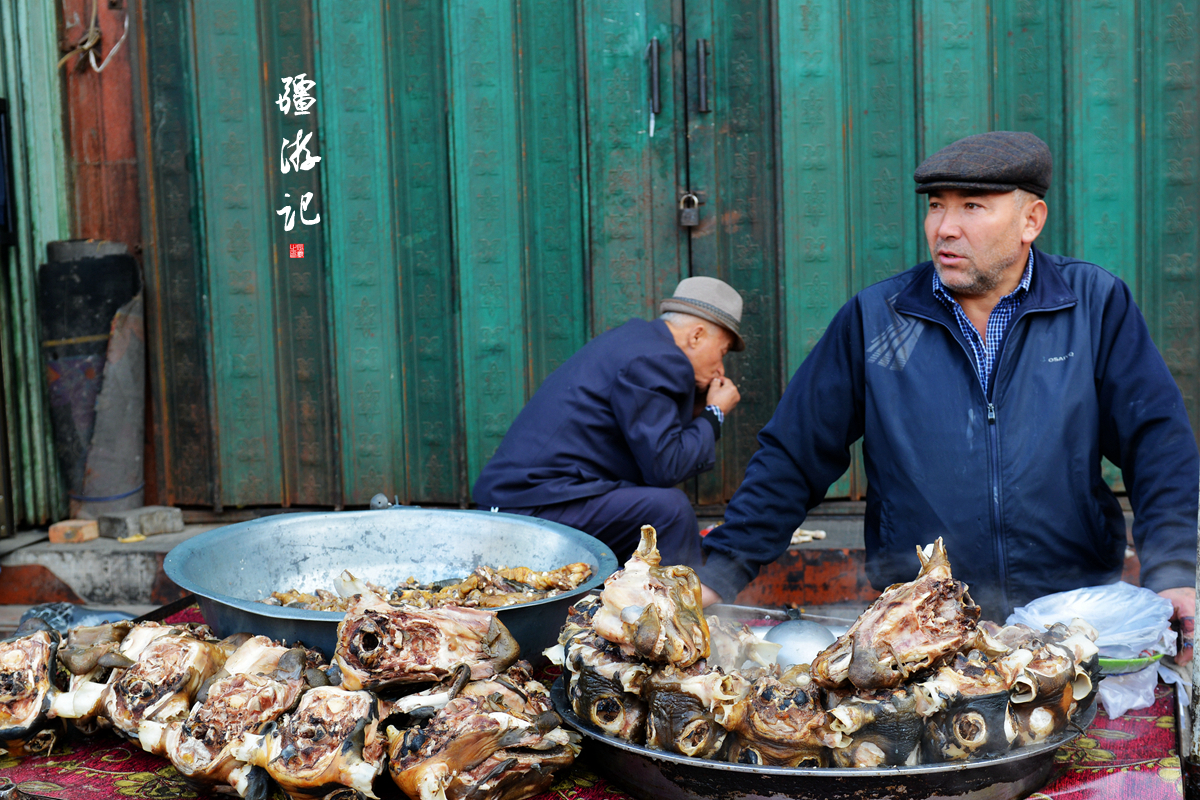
point(610, 432)
point(986, 385)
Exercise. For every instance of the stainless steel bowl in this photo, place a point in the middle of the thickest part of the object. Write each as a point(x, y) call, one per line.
point(230, 568)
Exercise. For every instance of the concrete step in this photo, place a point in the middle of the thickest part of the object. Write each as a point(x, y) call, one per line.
point(101, 572)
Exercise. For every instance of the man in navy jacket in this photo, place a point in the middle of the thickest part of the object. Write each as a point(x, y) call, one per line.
point(986, 385)
point(610, 432)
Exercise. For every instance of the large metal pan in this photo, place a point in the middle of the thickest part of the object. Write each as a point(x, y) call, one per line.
point(230, 568)
point(655, 775)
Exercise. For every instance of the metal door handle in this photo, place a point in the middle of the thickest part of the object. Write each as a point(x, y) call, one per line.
point(655, 100)
point(702, 73)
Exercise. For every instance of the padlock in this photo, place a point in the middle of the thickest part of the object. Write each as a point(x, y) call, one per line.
point(689, 210)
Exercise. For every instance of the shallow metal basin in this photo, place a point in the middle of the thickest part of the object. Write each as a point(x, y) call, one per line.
point(658, 775)
point(230, 568)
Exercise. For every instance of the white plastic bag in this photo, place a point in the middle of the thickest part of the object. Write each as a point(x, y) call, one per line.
point(1132, 621)
point(1120, 693)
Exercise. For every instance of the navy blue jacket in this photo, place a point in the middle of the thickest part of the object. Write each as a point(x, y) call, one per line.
point(1013, 481)
point(618, 413)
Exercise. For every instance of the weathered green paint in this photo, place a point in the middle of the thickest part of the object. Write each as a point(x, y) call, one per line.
point(433, 411)
point(487, 225)
point(813, 148)
point(1101, 154)
point(636, 249)
point(814, 154)
point(500, 200)
point(701, 174)
point(240, 286)
point(28, 55)
point(552, 180)
point(305, 376)
point(176, 319)
point(956, 91)
point(731, 164)
point(359, 219)
point(1028, 40)
point(1170, 227)
point(882, 114)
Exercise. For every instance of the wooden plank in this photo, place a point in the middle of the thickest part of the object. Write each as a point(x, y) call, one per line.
point(426, 275)
point(1028, 41)
point(956, 71)
point(359, 220)
point(1169, 231)
point(1101, 151)
point(552, 177)
point(814, 163)
point(487, 221)
point(240, 289)
point(100, 129)
point(634, 179)
point(176, 324)
point(305, 374)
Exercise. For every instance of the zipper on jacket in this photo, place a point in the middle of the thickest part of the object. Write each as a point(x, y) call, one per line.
point(994, 468)
point(998, 549)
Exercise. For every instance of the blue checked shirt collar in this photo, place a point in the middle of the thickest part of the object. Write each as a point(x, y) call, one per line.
point(997, 324)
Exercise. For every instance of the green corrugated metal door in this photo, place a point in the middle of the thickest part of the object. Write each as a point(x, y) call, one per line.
point(712, 136)
point(868, 89)
point(491, 197)
point(443, 281)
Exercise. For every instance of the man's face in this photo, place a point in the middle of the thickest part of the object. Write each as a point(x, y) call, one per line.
point(974, 238)
point(706, 350)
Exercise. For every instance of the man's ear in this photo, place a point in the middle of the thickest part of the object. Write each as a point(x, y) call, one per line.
point(1035, 220)
point(697, 335)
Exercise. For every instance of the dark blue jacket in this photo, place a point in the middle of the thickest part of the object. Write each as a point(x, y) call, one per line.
point(618, 413)
point(1012, 482)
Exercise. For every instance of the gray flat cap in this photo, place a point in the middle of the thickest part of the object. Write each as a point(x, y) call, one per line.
point(710, 299)
point(999, 161)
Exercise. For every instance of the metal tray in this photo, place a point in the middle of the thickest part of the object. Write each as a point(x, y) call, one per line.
point(656, 775)
point(230, 568)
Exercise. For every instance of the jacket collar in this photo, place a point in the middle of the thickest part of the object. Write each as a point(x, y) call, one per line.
point(1048, 291)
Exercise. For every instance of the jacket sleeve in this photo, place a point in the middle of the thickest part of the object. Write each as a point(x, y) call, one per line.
point(802, 450)
point(646, 398)
point(1144, 430)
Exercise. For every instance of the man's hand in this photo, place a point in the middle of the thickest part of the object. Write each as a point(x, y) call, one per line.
point(1184, 600)
point(708, 596)
point(723, 394)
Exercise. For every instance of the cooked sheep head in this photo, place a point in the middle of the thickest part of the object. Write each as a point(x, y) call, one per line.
point(683, 708)
point(160, 686)
point(331, 739)
point(260, 682)
point(381, 645)
point(880, 728)
point(498, 739)
point(26, 685)
point(911, 627)
point(778, 724)
point(652, 611)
